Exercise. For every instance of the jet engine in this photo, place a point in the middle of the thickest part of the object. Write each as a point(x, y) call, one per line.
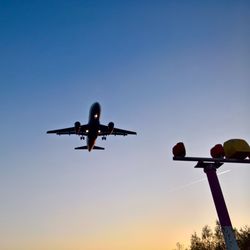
point(110, 127)
point(77, 127)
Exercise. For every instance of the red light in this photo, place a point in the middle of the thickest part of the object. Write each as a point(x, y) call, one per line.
point(179, 150)
point(217, 151)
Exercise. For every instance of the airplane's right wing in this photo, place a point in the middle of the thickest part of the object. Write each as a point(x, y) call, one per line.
point(83, 130)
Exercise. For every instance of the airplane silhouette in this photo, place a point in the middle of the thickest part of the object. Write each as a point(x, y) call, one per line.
point(92, 129)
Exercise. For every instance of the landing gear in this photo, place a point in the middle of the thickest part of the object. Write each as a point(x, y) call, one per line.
point(104, 138)
point(82, 137)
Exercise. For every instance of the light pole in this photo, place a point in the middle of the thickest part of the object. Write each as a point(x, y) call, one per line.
point(210, 166)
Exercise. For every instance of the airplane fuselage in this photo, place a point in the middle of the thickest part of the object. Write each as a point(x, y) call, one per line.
point(94, 123)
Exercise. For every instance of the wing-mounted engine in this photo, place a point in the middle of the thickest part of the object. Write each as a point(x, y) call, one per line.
point(77, 127)
point(110, 127)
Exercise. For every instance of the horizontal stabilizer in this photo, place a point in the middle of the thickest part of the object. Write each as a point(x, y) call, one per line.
point(83, 147)
point(95, 147)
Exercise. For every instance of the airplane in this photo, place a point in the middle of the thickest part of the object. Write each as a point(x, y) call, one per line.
point(92, 129)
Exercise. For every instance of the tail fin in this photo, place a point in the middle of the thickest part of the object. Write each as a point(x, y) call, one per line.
point(85, 147)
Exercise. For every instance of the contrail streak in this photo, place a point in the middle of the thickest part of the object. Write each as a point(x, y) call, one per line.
point(196, 181)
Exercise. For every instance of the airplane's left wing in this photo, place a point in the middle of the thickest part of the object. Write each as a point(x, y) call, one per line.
point(104, 130)
point(70, 131)
point(118, 131)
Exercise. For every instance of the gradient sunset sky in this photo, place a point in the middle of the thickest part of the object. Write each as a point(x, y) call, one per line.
point(170, 70)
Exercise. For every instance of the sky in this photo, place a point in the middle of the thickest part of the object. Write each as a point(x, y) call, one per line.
point(170, 70)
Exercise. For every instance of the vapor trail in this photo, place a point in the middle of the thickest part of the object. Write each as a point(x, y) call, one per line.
point(196, 181)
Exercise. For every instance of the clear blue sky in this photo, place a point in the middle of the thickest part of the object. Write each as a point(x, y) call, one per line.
point(170, 70)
